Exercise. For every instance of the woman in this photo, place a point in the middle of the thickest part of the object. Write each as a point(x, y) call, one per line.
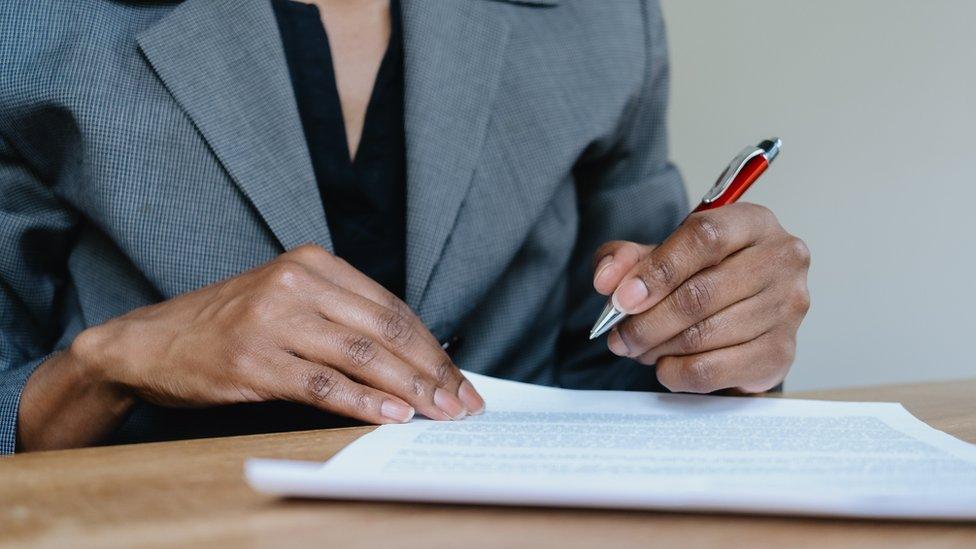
point(226, 216)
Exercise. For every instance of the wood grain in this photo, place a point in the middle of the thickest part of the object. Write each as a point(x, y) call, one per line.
point(192, 493)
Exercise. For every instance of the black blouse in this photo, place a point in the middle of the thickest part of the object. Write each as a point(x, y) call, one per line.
point(364, 199)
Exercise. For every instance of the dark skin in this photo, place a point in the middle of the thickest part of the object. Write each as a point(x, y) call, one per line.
point(726, 294)
point(306, 327)
point(716, 306)
point(169, 355)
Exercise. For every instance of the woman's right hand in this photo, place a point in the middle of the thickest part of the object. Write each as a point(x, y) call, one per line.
point(306, 327)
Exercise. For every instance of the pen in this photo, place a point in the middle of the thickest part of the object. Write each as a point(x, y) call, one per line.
point(737, 177)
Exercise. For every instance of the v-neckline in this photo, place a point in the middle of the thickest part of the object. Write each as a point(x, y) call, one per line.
point(308, 14)
point(380, 83)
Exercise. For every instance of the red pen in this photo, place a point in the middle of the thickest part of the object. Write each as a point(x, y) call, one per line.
point(735, 180)
point(740, 174)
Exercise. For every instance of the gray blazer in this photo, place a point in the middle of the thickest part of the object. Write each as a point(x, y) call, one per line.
point(151, 148)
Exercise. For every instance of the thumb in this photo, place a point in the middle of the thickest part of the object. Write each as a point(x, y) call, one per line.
point(613, 261)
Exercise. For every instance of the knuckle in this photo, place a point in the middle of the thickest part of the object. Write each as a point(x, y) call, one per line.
point(697, 375)
point(707, 231)
point(761, 211)
point(758, 212)
point(418, 385)
point(801, 300)
point(360, 350)
point(308, 252)
point(443, 372)
point(288, 275)
point(692, 338)
point(321, 385)
point(693, 298)
point(658, 272)
point(798, 251)
point(396, 326)
point(363, 401)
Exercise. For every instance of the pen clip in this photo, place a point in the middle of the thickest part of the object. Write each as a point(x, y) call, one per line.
point(730, 173)
point(768, 149)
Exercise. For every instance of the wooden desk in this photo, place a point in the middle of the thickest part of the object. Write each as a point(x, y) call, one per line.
point(193, 493)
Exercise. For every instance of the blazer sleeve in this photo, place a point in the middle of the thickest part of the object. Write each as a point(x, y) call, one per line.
point(35, 230)
point(632, 192)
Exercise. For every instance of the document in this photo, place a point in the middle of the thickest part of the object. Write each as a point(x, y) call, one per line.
point(607, 449)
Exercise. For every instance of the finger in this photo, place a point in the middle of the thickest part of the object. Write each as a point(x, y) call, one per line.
point(396, 332)
point(703, 240)
point(362, 358)
point(613, 260)
point(340, 272)
point(399, 332)
point(701, 296)
point(348, 297)
point(325, 388)
point(753, 367)
point(738, 323)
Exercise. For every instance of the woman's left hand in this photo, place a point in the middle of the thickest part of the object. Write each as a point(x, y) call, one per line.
point(716, 306)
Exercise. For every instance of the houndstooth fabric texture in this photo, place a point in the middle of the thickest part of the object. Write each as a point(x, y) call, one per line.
point(151, 148)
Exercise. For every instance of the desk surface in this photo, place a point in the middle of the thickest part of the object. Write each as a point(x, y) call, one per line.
point(193, 492)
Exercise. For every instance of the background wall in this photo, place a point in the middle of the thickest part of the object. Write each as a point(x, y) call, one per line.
point(876, 103)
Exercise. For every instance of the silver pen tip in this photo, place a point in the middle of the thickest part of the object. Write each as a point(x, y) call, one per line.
point(609, 318)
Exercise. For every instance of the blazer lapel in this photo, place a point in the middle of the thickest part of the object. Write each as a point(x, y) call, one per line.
point(454, 52)
point(223, 62)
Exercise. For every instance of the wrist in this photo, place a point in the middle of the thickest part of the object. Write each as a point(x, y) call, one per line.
point(100, 364)
point(72, 398)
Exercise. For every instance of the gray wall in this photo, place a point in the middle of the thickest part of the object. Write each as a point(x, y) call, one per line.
point(876, 103)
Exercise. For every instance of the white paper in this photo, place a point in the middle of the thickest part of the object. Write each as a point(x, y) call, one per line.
point(545, 446)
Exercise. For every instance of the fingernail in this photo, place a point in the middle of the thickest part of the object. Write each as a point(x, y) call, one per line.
point(471, 399)
point(449, 404)
point(601, 269)
point(616, 344)
point(630, 295)
point(397, 411)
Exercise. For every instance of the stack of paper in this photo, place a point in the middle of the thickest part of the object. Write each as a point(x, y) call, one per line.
point(556, 447)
